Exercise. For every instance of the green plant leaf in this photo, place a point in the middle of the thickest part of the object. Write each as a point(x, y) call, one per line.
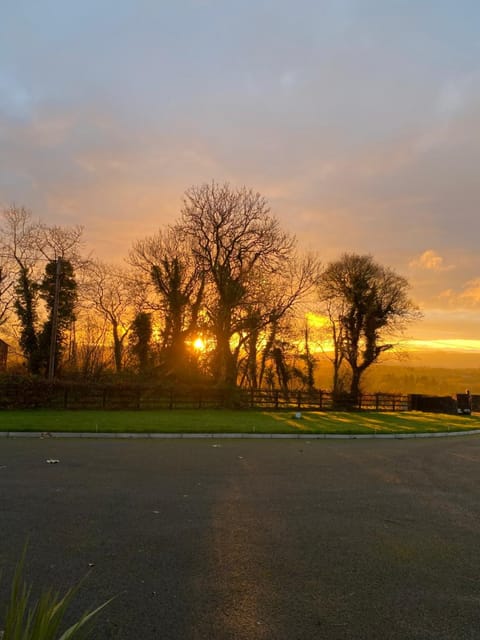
point(70, 633)
point(41, 619)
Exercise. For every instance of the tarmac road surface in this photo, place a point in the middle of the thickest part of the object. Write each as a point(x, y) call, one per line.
point(251, 540)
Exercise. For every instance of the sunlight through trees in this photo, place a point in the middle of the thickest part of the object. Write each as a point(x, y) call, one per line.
point(223, 296)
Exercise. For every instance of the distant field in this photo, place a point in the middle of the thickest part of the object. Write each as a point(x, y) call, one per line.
point(227, 421)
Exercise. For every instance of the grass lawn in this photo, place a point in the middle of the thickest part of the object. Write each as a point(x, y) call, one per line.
point(227, 421)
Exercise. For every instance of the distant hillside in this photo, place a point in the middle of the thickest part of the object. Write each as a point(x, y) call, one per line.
point(435, 373)
point(428, 380)
point(450, 359)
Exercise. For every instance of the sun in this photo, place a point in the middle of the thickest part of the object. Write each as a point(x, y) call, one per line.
point(199, 344)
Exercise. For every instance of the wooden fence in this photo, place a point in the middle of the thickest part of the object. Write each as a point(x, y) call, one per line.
point(325, 401)
point(27, 393)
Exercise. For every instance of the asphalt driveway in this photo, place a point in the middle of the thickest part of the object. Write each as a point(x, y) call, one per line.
point(257, 540)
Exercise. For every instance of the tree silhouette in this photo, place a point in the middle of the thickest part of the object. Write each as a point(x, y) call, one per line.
point(234, 238)
point(58, 289)
point(366, 302)
point(20, 246)
point(169, 267)
point(27, 244)
point(109, 291)
point(140, 339)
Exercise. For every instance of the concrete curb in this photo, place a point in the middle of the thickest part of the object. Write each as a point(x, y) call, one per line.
point(245, 436)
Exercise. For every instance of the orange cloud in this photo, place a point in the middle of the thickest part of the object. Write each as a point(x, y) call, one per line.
point(431, 260)
point(471, 290)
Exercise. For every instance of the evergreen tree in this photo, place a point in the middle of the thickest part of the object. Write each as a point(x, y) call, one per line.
point(141, 335)
point(60, 305)
point(26, 309)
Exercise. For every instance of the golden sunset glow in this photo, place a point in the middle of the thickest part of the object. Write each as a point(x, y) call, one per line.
point(316, 321)
point(108, 152)
point(156, 332)
point(456, 344)
point(199, 344)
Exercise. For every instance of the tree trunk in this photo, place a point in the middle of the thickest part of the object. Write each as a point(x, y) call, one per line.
point(252, 359)
point(117, 349)
point(267, 351)
point(355, 384)
point(226, 369)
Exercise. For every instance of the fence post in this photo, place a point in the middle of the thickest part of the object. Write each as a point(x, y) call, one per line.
point(377, 401)
point(275, 396)
point(299, 399)
point(320, 400)
point(393, 403)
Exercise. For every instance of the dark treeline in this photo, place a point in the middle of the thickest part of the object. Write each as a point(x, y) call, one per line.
point(222, 297)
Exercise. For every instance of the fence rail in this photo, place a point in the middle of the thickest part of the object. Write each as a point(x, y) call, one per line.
point(27, 393)
point(325, 401)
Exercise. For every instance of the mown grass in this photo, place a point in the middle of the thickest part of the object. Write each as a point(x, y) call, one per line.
point(229, 421)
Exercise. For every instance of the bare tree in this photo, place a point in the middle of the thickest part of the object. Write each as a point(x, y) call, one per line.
point(61, 243)
point(7, 273)
point(366, 303)
point(109, 291)
point(7, 286)
point(332, 308)
point(177, 282)
point(234, 240)
point(271, 299)
point(20, 236)
point(20, 242)
point(89, 353)
point(29, 246)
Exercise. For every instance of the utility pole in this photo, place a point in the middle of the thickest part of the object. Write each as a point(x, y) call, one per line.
point(54, 329)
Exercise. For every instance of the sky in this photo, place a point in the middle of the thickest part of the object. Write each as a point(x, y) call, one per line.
point(358, 120)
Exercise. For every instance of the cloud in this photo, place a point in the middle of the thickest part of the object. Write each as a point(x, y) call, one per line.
point(471, 291)
point(466, 297)
point(362, 132)
point(430, 260)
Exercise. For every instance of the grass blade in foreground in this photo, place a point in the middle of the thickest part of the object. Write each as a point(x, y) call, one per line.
point(41, 620)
